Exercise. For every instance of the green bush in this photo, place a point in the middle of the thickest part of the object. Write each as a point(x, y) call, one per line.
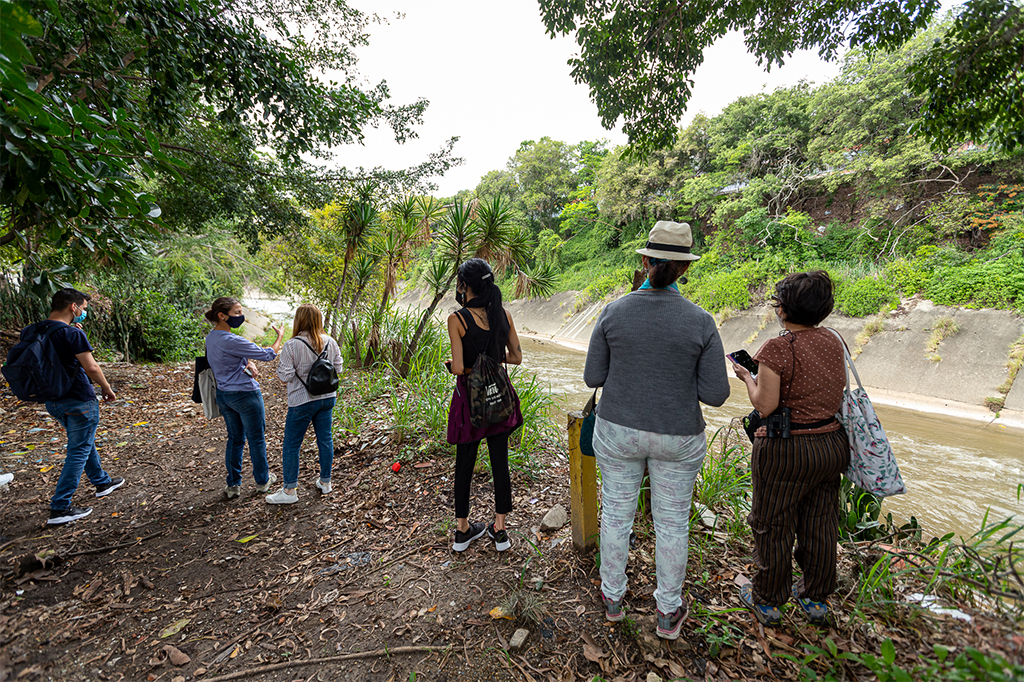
point(992, 284)
point(719, 290)
point(865, 296)
point(908, 276)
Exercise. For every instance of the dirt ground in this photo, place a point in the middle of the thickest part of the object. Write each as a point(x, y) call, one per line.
point(168, 580)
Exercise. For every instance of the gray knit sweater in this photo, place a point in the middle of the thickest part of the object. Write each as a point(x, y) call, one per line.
point(656, 354)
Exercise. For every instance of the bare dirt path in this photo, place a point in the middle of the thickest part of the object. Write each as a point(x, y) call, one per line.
point(167, 580)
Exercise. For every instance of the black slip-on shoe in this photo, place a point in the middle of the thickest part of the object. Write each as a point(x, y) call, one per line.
point(106, 489)
point(462, 540)
point(61, 516)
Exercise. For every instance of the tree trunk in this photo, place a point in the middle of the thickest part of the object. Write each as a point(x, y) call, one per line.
point(411, 350)
point(352, 308)
point(337, 301)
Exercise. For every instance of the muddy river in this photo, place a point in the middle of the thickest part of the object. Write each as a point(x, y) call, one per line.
point(955, 469)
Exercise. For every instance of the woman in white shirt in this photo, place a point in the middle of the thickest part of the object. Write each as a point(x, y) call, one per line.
point(308, 342)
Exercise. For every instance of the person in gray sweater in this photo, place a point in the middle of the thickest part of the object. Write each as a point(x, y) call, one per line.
point(657, 356)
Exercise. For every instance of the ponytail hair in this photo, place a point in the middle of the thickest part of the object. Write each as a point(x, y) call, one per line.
point(663, 272)
point(478, 276)
point(224, 304)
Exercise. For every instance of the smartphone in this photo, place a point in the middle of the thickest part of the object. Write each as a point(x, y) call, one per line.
point(448, 365)
point(743, 359)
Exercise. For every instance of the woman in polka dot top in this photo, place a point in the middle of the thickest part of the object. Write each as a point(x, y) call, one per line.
point(796, 478)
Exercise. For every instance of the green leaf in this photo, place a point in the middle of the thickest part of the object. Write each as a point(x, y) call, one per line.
point(247, 538)
point(888, 652)
point(174, 628)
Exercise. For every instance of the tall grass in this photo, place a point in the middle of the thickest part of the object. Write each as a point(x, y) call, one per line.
point(417, 404)
point(982, 571)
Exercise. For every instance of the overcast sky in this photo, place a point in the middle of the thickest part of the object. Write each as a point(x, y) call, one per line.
point(495, 79)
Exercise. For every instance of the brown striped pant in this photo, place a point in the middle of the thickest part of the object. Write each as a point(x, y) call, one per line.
point(796, 497)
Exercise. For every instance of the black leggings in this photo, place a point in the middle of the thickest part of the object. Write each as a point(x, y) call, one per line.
point(465, 460)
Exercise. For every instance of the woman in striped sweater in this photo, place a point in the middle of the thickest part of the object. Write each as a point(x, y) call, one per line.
point(300, 352)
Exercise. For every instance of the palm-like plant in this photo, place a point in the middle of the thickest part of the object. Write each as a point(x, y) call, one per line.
point(493, 220)
point(536, 281)
point(363, 270)
point(456, 238)
point(359, 221)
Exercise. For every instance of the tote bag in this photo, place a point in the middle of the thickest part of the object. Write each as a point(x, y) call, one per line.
point(872, 464)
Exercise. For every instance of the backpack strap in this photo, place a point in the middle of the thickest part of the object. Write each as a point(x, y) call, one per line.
point(463, 314)
point(41, 330)
point(313, 350)
point(322, 354)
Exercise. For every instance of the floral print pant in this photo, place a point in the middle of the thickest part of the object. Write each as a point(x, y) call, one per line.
point(673, 463)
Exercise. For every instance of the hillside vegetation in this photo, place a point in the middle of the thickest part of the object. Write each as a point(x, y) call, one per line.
point(831, 176)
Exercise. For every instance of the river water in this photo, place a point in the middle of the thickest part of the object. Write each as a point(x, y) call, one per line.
point(954, 469)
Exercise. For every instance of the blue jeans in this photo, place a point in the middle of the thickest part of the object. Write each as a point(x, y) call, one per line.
point(673, 463)
point(320, 412)
point(80, 419)
point(244, 419)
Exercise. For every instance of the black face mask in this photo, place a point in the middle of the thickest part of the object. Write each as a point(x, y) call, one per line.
point(460, 297)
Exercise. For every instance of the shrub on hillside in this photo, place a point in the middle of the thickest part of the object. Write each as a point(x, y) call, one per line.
point(908, 276)
point(987, 284)
point(865, 296)
point(719, 290)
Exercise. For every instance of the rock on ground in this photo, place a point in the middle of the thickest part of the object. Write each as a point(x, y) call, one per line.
point(518, 638)
point(554, 519)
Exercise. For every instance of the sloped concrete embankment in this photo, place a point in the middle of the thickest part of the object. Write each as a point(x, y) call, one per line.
point(893, 364)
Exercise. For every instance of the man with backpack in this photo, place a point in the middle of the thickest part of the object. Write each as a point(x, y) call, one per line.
point(53, 363)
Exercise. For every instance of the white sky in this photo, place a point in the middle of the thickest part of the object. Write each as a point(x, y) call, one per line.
point(495, 79)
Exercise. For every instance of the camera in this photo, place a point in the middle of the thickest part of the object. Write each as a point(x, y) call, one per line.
point(777, 423)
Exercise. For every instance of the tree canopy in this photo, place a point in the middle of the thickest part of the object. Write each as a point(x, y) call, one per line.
point(638, 56)
point(109, 104)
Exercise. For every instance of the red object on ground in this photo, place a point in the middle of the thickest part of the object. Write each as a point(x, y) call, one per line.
point(396, 467)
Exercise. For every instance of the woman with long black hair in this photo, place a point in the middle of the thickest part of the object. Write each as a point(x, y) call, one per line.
point(482, 325)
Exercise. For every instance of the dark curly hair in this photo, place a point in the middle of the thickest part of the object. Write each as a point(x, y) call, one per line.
point(805, 297)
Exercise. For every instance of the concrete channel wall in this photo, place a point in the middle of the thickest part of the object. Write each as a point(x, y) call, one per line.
point(893, 364)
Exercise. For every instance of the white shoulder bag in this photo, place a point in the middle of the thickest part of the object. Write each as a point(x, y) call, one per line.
point(872, 464)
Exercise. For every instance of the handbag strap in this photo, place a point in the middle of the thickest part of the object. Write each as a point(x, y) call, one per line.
point(848, 362)
point(589, 407)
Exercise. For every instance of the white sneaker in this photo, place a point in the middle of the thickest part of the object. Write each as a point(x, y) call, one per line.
point(325, 486)
point(282, 497)
point(266, 486)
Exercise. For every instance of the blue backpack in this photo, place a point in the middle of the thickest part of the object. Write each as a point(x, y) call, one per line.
point(33, 369)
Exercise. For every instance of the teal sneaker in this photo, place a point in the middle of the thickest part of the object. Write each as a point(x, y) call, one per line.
point(766, 615)
point(816, 611)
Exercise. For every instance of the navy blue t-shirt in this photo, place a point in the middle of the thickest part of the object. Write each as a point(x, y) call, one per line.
point(70, 341)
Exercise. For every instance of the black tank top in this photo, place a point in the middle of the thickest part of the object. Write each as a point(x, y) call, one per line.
point(476, 339)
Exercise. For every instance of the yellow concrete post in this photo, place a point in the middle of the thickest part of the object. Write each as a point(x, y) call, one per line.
point(582, 489)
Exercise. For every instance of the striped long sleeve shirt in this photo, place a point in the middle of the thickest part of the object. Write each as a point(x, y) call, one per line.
point(296, 359)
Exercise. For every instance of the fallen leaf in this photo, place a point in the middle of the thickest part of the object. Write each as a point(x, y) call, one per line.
point(174, 628)
point(593, 653)
point(498, 612)
point(46, 468)
point(247, 538)
point(580, 610)
point(176, 656)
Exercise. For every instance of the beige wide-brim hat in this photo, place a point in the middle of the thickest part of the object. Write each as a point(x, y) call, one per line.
point(670, 241)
